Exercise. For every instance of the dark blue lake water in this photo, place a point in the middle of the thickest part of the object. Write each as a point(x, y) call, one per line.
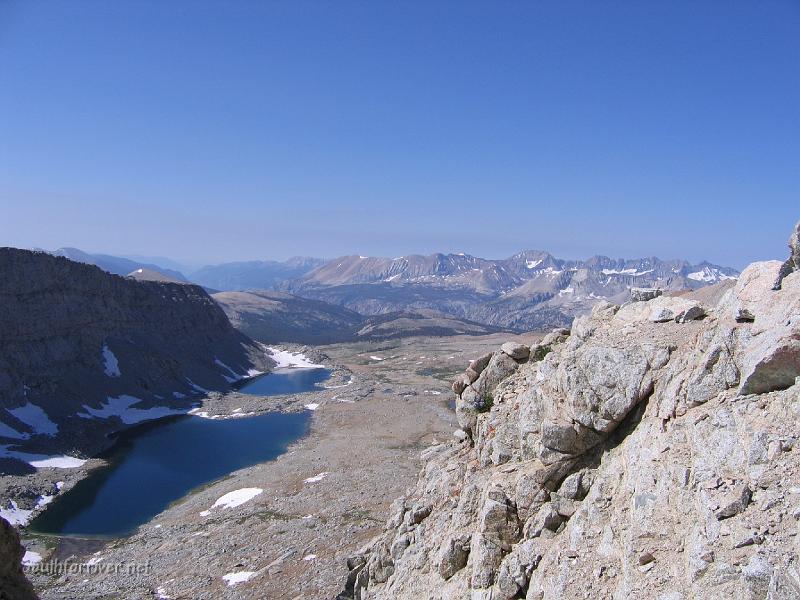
point(286, 381)
point(156, 464)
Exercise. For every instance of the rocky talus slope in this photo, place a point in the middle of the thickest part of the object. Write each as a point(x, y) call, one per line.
point(13, 584)
point(84, 352)
point(650, 452)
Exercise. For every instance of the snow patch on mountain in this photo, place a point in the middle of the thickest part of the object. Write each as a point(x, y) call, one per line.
point(121, 407)
point(110, 362)
point(36, 418)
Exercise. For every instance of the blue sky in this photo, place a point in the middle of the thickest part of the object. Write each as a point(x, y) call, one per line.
point(216, 131)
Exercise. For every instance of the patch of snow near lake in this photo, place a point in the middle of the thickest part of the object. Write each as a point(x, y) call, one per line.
point(196, 412)
point(9, 432)
point(121, 407)
point(42, 460)
point(296, 360)
point(14, 514)
point(234, 499)
point(110, 362)
point(432, 392)
point(31, 558)
point(316, 478)
point(239, 577)
point(35, 417)
point(312, 406)
point(20, 516)
point(237, 414)
point(377, 358)
point(54, 462)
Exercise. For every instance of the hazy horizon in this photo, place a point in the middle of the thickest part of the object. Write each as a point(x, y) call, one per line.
point(189, 266)
point(210, 132)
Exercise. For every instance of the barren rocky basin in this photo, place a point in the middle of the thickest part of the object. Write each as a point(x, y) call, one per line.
point(301, 515)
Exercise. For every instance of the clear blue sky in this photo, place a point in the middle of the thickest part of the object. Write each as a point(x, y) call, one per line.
point(216, 131)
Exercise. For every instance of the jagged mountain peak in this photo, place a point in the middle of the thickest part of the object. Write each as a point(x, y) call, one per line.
point(530, 290)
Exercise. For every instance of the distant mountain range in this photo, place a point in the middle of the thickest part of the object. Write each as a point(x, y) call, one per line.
point(254, 275)
point(529, 291)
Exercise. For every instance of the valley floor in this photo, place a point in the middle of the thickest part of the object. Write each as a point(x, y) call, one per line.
point(320, 501)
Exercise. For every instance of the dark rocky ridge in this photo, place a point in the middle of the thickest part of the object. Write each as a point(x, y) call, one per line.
point(116, 265)
point(56, 318)
point(13, 584)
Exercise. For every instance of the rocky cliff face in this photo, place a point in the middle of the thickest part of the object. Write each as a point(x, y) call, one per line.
point(13, 584)
point(83, 352)
point(650, 452)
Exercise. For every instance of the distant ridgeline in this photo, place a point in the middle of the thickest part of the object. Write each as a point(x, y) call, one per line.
point(529, 291)
point(83, 352)
point(361, 298)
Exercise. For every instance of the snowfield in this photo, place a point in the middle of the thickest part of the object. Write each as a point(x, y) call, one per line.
point(42, 460)
point(110, 362)
point(21, 516)
point(286, 359)
point(35, 418)
point(239, 577)
point(121, 407)
point(316, 478)
point(233, 499)
point(31, 558)
point(709, 275)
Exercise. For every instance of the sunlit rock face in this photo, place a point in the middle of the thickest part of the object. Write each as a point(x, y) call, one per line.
point(651, 452)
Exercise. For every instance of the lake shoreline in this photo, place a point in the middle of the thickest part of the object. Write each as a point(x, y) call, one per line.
point(322, 499)
point(24, 489)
